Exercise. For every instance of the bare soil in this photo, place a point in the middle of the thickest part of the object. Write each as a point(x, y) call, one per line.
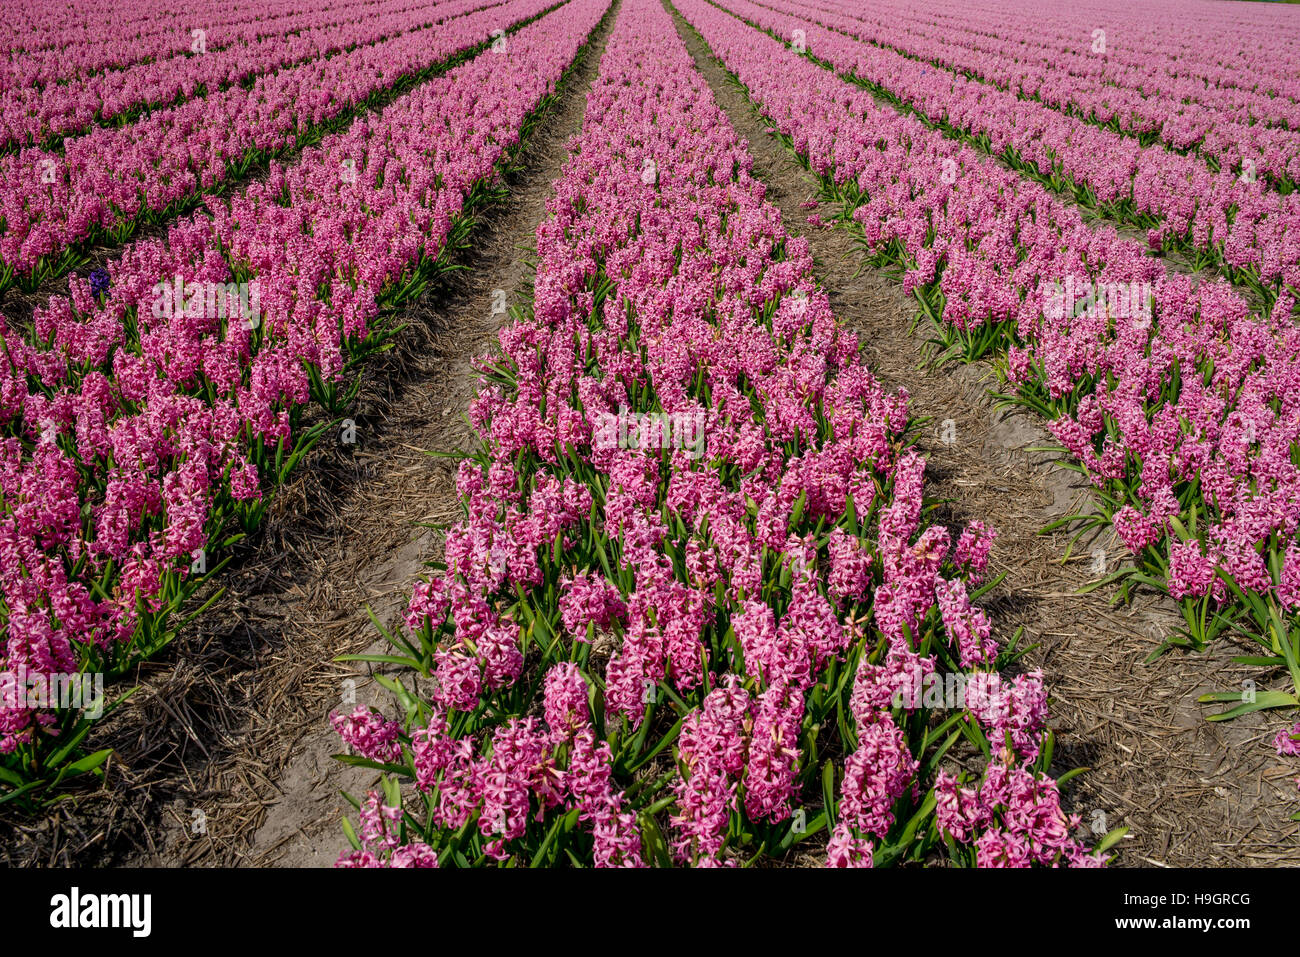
point(301, 825)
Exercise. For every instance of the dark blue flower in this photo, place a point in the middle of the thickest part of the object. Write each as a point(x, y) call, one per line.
point(99, 282)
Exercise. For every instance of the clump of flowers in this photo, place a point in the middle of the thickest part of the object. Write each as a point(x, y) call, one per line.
point(652, 654)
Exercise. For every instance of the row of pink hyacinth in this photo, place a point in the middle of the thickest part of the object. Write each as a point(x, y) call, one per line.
point(111, 177)
point(1240, 130)
point(1194, 415)
point(130, 437)
point(45, 45)
point(1122, 83)
point(29, 114)
point(735, 583)
point(1164, 49)
point(995, 244)
point(1245, 225)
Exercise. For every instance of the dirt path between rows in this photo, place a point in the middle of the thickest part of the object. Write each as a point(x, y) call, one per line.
point(302, 827)
point(1192, 793)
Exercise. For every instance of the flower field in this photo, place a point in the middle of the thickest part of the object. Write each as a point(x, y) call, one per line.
point(674, 380)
